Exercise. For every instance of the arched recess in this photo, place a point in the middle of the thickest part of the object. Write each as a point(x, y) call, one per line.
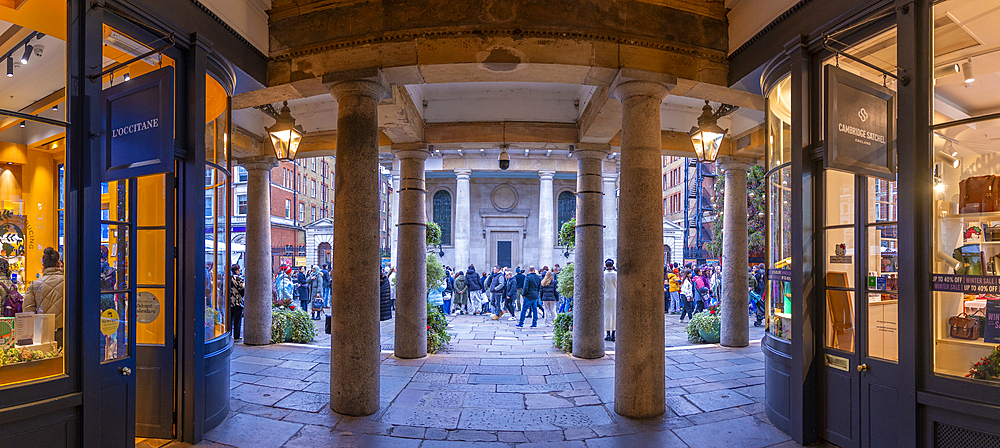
point(565, 207)
point(442, 211)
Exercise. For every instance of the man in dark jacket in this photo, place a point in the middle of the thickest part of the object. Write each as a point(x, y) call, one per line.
point(327, 284)
point(302, 284)
point(510, 293)
point(475, 285)
point(497, 285)
point(532, 288)
point(519, 279)
point(384, 302)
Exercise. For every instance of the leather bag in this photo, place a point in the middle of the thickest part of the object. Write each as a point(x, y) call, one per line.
point(963, 327)
point(979, 194)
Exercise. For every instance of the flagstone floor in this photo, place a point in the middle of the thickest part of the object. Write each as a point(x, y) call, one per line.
point(496, 385)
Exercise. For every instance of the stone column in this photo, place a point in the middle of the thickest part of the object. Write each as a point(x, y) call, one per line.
point(394, 256)
point(411, 274)
point(639, 360)
point(588, 261)
point(463, 220)
point(610, 215)
point(257, 300)
point(354, 301)
point(546, 219)
point(735, 297)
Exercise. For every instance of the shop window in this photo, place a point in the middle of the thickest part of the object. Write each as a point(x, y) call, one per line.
point(32, 178)
point(217, 238)
point(442, 214)
point(776, 293)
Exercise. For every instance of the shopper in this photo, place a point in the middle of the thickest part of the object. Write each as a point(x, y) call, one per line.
point(45, 295)
point(497, 286)
point(449, 291)
point(519, 278)
point(687, 295)
point(460, 297)
point(610, 298)
point(317, 306)
point(674, 290)
point(532, 289)
point(237, 290)
point(548, 296)
point(384, 298)
point(475, 289)
point(510, 293)
point(327, 284)
point(10, 299)
point(302, 288)
point(700, 291)
point(715, 283)
point(315, 283)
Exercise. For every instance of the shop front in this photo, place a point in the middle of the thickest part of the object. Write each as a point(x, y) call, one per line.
point(883, 298)
point(114, 233)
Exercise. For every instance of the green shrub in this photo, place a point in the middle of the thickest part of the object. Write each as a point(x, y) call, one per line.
point(437, 329)
point(565, 287)
point(435, 272)
point(703, 321)
point(563, 332)
point(291, 326)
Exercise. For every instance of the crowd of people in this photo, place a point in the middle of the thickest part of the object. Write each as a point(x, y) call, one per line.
point(689, 289)
point(308, 288)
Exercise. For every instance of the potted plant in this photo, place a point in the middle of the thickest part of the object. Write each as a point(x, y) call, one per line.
point(988, 367)
point(707, 324)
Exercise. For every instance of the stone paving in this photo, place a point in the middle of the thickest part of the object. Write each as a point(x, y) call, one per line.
point(496, 385)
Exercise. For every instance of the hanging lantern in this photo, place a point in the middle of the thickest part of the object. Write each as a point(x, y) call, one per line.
point(707, 136)
point(285, 135)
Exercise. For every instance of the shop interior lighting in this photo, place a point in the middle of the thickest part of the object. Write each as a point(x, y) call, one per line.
point(126, 77)
point(56, 107)
point(947, 259)
point(27, 54)
point(10, 67)
point(967, 71)
point(946, 70)
point(129, 46)
point(22, 123)
point(949, 159)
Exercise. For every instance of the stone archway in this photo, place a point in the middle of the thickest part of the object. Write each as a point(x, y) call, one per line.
point(324, 254)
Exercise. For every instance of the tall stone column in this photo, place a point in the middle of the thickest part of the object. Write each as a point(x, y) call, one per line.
point(394, 256)
point(463, 220)
point(354, 354)
point(257, 298)
point(411, 274)
point(735, 297)
point(639, 360)
point(610, 215)
point(588, 278)
point(546, 218)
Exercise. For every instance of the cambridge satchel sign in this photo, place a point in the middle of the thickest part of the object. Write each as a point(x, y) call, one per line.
point(860, 116)
point(138, 123)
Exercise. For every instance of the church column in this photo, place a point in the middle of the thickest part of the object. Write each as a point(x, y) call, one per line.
point(735, 328)
point(546, 220)
point(463, 220)
point(354, 354)
point(394, 256)
point(411, 275)
point(610, 180)
point(257, 300)
point(588, 284)
point(639, 361)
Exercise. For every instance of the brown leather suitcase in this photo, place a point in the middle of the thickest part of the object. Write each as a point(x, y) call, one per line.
point(979, 194)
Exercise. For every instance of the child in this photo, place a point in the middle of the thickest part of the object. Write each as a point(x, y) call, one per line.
point(317, 307)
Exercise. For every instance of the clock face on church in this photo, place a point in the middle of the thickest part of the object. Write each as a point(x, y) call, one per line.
point(504, 197)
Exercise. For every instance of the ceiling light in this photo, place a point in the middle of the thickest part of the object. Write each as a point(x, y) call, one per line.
point(27, 55)
point(285, 135)
point(129, 46)
point(56, 107)
point(127, 77)
point(946, 70)
point(22, 124)
point(707, 136)
point(10, 67)
point(967, 72)
point(949, 159)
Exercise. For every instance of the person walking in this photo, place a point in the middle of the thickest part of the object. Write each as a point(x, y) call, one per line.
point(449, 291)
point(497, 286)
point(384, 298)
point(674, 290)
point(687, 295)
point(532, 289)
point(302, 288)
point(510, 293)
point(548, 296)
point(283, 283)
point(460, 297)
point(392, 286)
point(45, 295)
point(700, 291)
point(519, 279)
point(237, 290)
point(315, 283)
point(475, 289)
point(715, 283)
point(610, 298)
point(327, 284)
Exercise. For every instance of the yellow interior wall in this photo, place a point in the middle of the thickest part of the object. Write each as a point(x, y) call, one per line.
point(47, 16)
point(151, 252)
point(39, 188)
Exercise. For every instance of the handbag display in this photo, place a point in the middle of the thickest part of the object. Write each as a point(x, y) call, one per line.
point(979, 194)
point(963, 327)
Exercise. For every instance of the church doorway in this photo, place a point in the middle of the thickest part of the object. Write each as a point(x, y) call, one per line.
point(505, 249)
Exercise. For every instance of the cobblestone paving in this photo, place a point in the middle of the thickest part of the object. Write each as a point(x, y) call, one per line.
point(496, 385)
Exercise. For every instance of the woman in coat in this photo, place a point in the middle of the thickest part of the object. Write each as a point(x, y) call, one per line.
point(610, 298)
point(384, 299)
point(460, 296)
point(549, 298)
point(687, 295)
point(237, 289)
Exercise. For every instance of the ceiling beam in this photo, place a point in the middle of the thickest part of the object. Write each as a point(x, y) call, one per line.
point(602, 118)
point(500, 132)
point(399, 118)
point(35, 108)
point(324, 143)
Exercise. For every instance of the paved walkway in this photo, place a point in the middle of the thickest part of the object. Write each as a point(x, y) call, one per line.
point(497, 386)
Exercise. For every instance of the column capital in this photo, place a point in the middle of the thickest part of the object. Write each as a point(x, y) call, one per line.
point(258, 163)
point(411, 151)
point(463, 174)
point(359, 87)
point(736, 163)
point(628, 89)
point(546, 174)
point(591, 151)
point(609, 177)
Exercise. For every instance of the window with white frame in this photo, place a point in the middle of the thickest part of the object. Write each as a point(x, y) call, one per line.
point(288, 208)
point(241, 204)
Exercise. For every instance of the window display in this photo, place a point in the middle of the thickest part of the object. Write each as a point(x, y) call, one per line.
point(218, 189)
point(778, 292)
point(966, 280)
point(32, 161)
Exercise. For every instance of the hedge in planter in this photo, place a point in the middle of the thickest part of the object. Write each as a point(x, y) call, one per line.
point(291, 326)
point(437, 329)
point(563, 332)
point(705, 326)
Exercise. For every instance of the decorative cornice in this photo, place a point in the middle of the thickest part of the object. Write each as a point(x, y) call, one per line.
point(228, 28)
point(784, 16)
point(718, 56)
